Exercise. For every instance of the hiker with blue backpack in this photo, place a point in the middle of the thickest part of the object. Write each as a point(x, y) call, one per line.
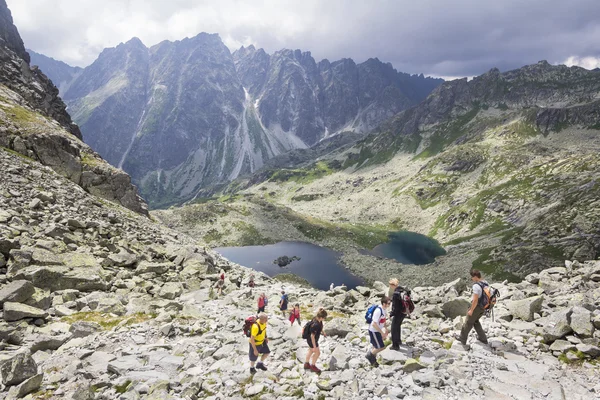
point(376, 317)
point(283, 303)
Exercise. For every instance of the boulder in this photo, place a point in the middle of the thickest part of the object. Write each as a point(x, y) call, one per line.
point(433, 311)
point(121, 259)
point(170, 290)
point(581, 322)
point(83, 328)
point(17, 367)
point(337, 327)
point(111, 305)
point(18, 311)
point(456, 308)
point(29, 385)
point(557, 325)
point(145, 267)
point(412, 365)
point(16, 292)
point(365, 291)
point(592, 351)
point(56, 278)
point(525, 309)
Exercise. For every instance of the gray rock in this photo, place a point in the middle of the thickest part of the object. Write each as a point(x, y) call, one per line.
point(412, 365)
point(365, 291)
point(525, 309)
point(170, 290)
point(16, 292)
point(81, 329)
point(557, 325)
point(18, 311)
point(433, 311)
point(29, 385)
point(562, 345)
point(17, 367)
point(337, 327)
point(45, 342)
point(581, 322)
point(455, 308)
point(592, 351)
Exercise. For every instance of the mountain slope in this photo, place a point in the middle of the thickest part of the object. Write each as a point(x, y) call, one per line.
point(35, 124)
point(60, 73)
point(187, 114)
point(502, 170)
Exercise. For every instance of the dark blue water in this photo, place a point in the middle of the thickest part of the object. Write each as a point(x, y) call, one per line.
point(409, 248)
point(318, 265)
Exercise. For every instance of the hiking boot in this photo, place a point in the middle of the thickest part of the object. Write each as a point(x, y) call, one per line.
point(372, 359)
point(252, 370)
point(395, 348)
point(457, 337)
point(375, 364)
point(306, 365)
point(261, 366)
point(314, 368)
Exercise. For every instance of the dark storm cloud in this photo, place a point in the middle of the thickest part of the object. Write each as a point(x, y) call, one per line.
point(435, 37)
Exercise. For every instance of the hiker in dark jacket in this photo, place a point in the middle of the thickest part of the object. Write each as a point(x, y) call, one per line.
point(398, 314)
point(476, 311)
point(316, 329)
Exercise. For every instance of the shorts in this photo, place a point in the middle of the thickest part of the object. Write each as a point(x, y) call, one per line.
point(220, 283)
point(261, 309)
point(262, 349)
point(310, 344)
point(283, 308)
point(376, 340)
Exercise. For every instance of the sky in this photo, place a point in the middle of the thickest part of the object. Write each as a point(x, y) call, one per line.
point(446, 38)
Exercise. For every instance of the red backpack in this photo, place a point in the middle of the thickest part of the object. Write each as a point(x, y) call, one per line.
point(248, 322)
point(407, 303)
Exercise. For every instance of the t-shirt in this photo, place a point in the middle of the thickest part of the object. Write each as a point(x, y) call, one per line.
point(284, 301)
point(477, 289)
point(379, 317)
point(259, 338)
point(316, 328)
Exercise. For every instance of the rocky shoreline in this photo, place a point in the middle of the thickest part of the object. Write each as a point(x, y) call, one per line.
point(101, 303)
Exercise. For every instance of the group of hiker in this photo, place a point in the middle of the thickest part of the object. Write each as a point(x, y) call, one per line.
point(398, 305)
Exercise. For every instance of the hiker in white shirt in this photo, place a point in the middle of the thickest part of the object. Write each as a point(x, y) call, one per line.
point(377, 332)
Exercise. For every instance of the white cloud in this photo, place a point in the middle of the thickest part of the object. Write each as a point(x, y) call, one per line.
point(584, 62)
point(434, 37)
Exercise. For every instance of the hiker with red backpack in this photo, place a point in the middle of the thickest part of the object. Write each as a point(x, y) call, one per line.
point(295, 314)
point(402, 306)
point(258, 342)
point(376, 318)
point(312, 332)
point(480, 302)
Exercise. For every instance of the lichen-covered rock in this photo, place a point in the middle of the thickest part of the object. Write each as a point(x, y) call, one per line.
point(18, 311)
point(16, 291)
point(525, 309)
point(17, 367)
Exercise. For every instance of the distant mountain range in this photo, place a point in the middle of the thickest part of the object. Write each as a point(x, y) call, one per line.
point(183, 115)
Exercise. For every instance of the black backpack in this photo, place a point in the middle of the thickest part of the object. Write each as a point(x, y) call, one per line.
point(306, 330)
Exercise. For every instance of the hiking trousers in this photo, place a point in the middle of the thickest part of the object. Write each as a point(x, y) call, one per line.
point(473, 322)
point(397, 329)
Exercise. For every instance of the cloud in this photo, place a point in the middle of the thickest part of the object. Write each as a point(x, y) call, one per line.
point(585, 62)
point(434, 37)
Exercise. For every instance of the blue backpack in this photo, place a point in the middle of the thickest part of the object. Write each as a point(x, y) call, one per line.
point(370, 312)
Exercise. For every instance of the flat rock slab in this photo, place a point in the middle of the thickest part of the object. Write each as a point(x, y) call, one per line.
point(18, 311)
point(16, 292)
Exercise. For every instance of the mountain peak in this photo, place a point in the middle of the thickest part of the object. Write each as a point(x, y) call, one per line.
point(135, 41)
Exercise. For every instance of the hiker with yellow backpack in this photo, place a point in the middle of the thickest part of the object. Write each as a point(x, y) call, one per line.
point(484, 299)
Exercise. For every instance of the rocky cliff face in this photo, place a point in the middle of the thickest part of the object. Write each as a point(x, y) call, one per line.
point(35, 124)
point(30, 83)
point(60, 73)
point(99, 303)
point(183, 115)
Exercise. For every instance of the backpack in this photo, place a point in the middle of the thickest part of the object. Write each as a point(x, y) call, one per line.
point(266, 301)
point(489, 297)
point(248, 323)
point(306, 330)
point(407, 304)
point(370, 312)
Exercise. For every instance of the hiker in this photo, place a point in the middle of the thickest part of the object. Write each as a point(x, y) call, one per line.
point(221, 283)
point(376, 330)
point(251, 281)
point(283, 303)
point(262, 303)
point(476, 310)
point(312, 332)
point(295, 314)
point(331, 286)
point(397, 313)
point(259, 343)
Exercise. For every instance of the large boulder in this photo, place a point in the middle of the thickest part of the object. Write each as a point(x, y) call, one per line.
point(16, 292)
point(170, 290)
point(17, 367)
point(581, 322)
point(526, 308)
point(557, 325)
point(337, 327)
point(56, 278)
point(456, 308)
point(18, 311)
